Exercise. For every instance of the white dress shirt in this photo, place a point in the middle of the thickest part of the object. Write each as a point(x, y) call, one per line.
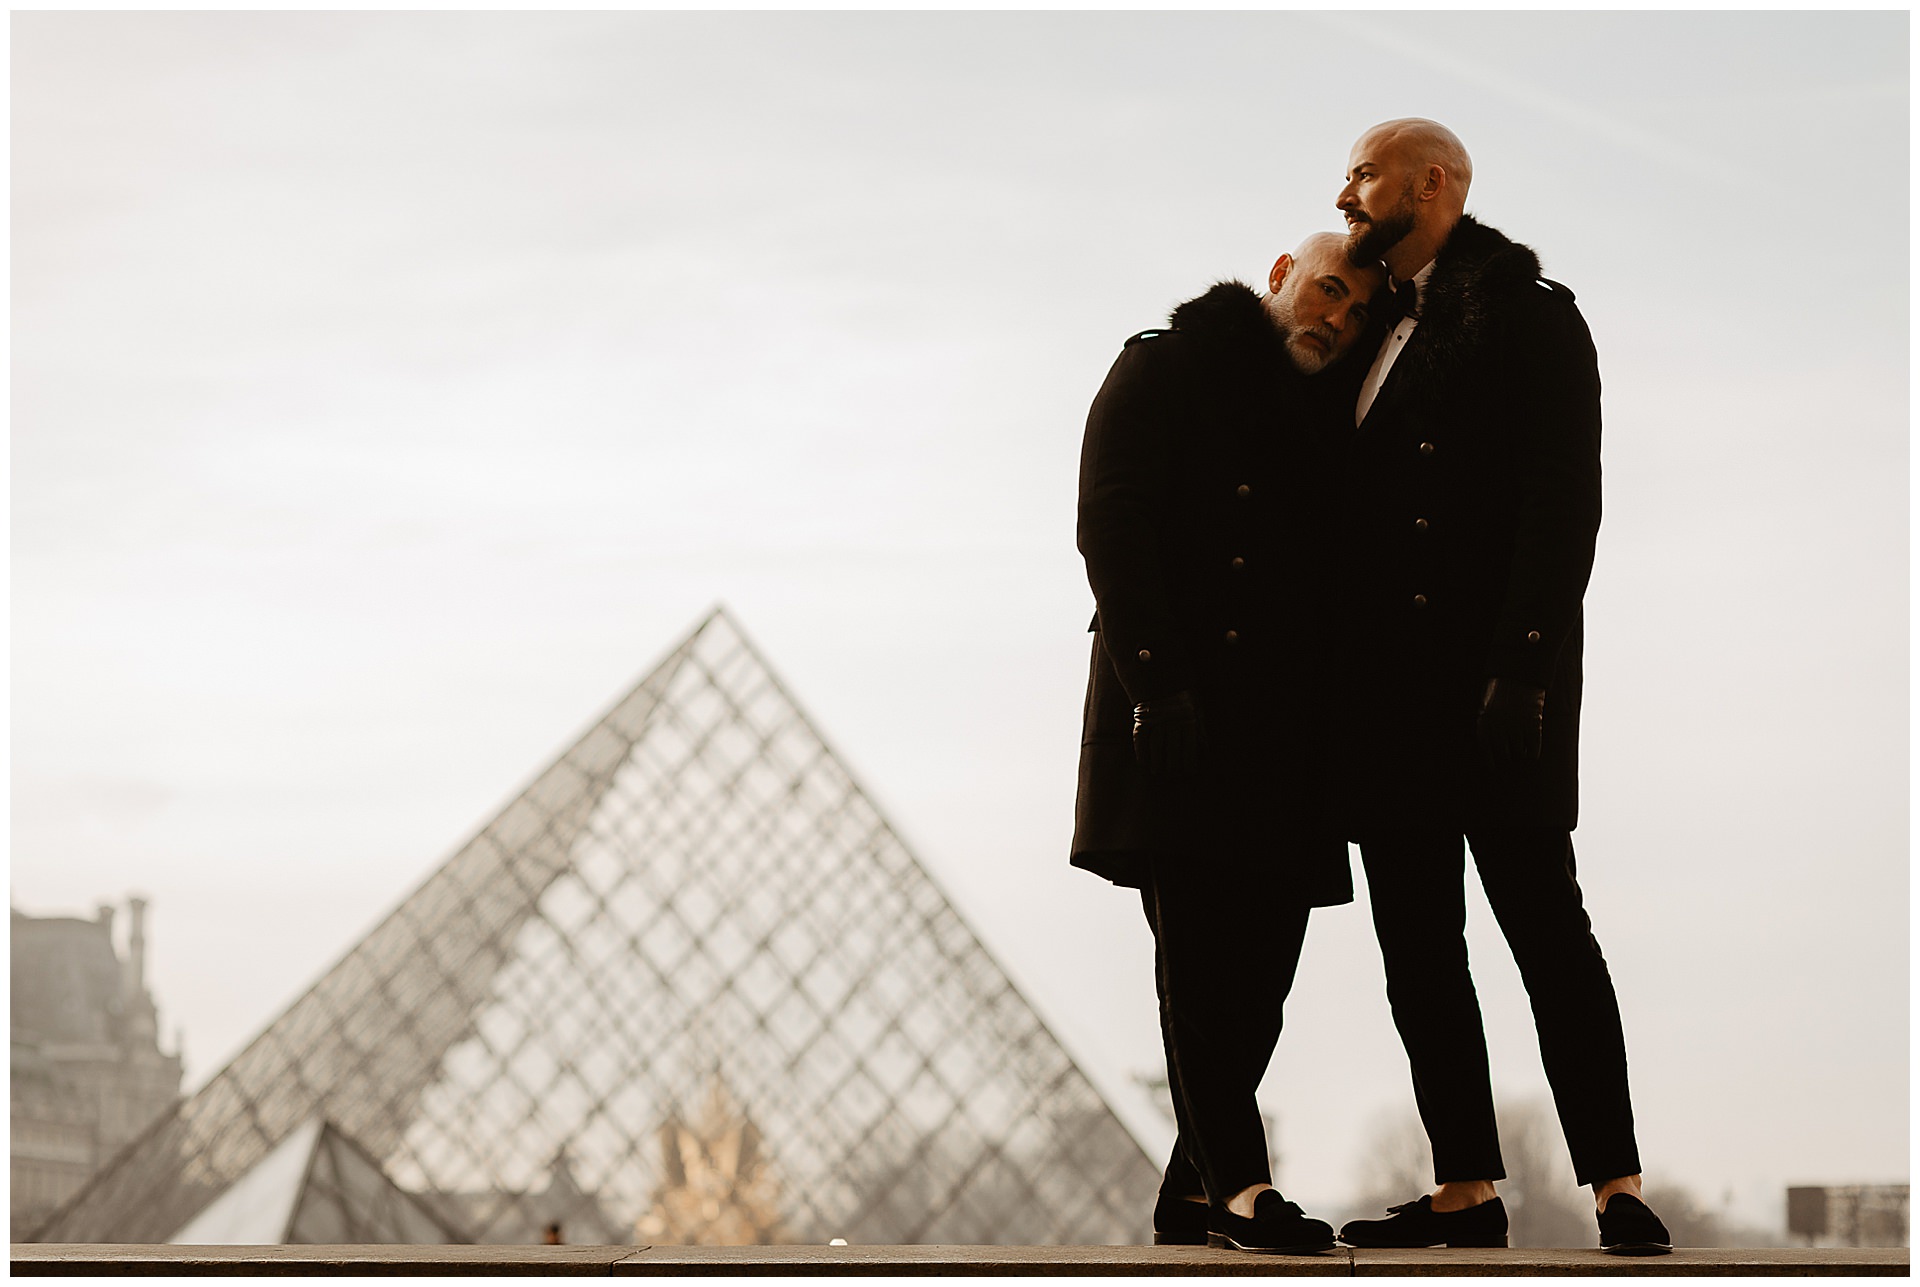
point(1390, 348)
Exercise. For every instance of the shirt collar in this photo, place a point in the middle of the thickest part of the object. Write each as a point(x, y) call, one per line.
point(1419, 284)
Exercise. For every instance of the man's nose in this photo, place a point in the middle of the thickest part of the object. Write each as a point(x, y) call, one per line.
point(1338, 318)
point(1345, 199)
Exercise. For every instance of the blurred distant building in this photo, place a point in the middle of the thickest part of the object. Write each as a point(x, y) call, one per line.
point(87, 1071)
point(716, 1188)
point(688, 985)
point(1848, 1215)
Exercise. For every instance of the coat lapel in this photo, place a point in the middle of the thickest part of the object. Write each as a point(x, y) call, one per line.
point(1393, 389)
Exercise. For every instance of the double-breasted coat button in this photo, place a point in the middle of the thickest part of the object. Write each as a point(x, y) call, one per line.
point(1533, 636)
point(1243, 491)
point(1426, 449)
point(1233, 636)
point(1145, 655)
point(1419, 600)
point(1238, 563)
point(1420, 524)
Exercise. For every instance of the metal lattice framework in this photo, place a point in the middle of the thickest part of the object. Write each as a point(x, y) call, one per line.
point(697, 892)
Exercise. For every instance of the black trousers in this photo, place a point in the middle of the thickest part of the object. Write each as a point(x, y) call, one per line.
point(1419, 914)
point(1227, 940)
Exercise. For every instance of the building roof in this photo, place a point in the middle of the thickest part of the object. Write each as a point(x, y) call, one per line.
point(68, 985)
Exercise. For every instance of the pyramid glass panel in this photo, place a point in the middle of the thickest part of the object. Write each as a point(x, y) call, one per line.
point(687, 986)
point(315, 1186)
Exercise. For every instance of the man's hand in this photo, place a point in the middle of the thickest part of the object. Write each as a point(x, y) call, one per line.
point(1166, 735)
point(1512, 720)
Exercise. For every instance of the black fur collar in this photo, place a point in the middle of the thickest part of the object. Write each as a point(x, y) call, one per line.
point(1230, 313)
point(1476, 268)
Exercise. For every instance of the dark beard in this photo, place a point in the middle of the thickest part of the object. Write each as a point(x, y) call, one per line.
point(1373, 239)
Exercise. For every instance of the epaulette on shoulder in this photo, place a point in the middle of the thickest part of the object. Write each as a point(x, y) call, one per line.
point(1560, 290)
point(1143, 336)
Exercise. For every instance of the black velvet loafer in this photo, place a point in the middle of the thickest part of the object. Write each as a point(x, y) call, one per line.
point(1277, 1227)
point(1628, 1227)
point(1417, 1224)
point(1179, 1223)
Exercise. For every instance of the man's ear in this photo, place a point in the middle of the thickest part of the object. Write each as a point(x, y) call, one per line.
point(1281, 267)
point(1435, 184)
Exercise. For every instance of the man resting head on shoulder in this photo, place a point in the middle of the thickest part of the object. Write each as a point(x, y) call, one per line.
point(1201, 475)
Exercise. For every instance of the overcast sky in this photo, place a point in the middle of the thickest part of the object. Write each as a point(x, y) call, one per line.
point(390, 391)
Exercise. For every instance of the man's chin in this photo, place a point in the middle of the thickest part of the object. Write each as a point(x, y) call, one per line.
point(1369, 240)
point(1366, 245)
point(1307, 358)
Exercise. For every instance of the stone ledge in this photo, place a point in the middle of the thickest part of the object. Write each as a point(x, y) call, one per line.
point(962, 1261)
point(796, 1260)
point(122, 1258)
point(1704, 1262)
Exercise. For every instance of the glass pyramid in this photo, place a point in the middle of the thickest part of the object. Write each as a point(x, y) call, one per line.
point(319, 1188)
point(692, 968)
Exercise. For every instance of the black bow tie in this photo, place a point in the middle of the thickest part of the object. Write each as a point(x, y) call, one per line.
point(1403, 300)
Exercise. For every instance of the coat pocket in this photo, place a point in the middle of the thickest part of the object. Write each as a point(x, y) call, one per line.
point(1108, 715)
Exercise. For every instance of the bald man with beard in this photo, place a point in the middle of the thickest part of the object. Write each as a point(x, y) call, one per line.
point(1200, 481)
point(1467, 508)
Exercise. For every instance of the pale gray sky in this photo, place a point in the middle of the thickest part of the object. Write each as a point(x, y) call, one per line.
point(389, 391)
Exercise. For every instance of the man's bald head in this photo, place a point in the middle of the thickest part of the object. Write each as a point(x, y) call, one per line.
point(1407, 184)
point(1327, 249)
point(1416, 143)
point(1320, 297)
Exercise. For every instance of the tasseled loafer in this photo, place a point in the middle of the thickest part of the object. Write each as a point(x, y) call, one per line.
point(1628, 1227)
point(1417, 1224)
point(1277, 1226)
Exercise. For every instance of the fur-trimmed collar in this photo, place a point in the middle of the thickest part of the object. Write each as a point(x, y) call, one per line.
point(1476, 267)
point(1230, 313)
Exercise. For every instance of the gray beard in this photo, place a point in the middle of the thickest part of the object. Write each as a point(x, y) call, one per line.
point(1305, 361)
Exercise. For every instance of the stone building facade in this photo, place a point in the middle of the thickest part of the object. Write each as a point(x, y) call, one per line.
point(87, 1071)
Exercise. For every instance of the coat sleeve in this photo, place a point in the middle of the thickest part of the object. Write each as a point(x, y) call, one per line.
point(1556, 419)
point(1125, 478)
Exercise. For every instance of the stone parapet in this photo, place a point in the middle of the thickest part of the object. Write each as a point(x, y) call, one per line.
point(798, 1260)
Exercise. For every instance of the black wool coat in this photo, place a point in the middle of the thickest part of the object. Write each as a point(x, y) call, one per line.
point(1200, 475)
point(1466, 507)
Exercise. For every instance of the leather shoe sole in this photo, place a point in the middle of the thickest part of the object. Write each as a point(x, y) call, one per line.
point(1416, 1246)
point(1226, 1242)
point(1639, 1249)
